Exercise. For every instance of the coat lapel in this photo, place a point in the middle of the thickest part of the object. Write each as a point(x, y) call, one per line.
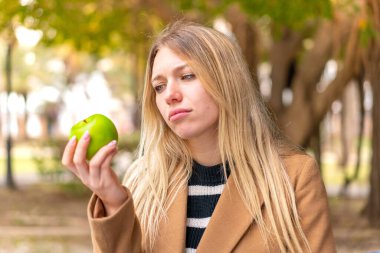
point(228, 223)
point(172, 234)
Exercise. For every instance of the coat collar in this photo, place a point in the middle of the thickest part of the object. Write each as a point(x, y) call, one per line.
point(230, 214)
point(172, 231)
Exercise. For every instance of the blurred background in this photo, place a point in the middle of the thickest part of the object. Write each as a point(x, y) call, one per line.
point(317, 64)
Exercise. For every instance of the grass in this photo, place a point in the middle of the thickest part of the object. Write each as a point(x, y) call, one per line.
point(20, 165)
point(26, 165)
point(334, 174)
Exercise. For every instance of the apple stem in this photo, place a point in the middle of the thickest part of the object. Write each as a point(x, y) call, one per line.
point(84, 121)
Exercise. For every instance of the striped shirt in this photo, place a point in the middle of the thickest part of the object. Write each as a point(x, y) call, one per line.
point(205, 187)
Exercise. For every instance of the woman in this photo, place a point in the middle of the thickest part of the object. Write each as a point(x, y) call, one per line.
point(213, 173)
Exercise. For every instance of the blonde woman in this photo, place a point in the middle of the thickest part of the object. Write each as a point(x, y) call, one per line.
point(213, 174)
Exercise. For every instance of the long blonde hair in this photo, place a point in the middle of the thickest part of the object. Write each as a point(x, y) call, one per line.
point(248, 140)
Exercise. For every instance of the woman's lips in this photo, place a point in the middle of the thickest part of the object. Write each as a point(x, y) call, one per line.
point(178, 114)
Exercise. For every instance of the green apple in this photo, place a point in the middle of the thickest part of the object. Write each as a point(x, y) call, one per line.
point(101, 129)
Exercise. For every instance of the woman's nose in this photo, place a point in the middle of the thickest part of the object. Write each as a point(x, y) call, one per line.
point(173, 93)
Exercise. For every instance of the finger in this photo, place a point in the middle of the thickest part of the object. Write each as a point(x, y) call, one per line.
point(106, 170)
point(104, 154)
point(68, 154)
point(107, 162)
point(79, 159)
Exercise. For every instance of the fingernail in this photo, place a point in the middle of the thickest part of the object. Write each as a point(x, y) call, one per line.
point(112, 143)
point(72, 139)
point(86, 136)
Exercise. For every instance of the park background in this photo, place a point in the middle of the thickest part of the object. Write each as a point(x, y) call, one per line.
point(316, 63)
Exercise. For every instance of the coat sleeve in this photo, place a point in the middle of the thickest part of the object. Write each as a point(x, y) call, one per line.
point(313, 209)
point(118, 233)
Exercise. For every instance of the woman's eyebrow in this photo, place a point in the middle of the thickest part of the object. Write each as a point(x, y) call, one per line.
point(157, 77)
point(180, 67)
point(175, 70)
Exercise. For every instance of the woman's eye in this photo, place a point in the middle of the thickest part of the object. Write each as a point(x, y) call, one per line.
point(188, 77)
point(158, 88)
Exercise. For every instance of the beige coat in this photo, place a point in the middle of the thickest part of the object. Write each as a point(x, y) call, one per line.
point(231, 228)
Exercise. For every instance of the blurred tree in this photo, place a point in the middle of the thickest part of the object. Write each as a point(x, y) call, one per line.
point(371, 37)
point(99, 28)
point(302, 39)
point(9, 15)
point(8, 142)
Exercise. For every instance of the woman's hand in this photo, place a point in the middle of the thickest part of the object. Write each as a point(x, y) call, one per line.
point(96, 174)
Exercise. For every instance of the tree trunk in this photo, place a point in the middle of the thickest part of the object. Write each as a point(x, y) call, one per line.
point(373, 66)
point(373, 207)
point(8, 142)
point(282, 57)
point(247, 36)
point(348, 179)
point(310, 105)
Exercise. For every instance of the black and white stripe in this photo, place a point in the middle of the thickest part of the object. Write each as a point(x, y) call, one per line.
point(205, 187)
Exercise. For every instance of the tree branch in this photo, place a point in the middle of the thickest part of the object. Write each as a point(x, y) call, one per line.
point(322, 101)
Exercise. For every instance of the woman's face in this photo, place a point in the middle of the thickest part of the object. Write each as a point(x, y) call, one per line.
point(186, 107)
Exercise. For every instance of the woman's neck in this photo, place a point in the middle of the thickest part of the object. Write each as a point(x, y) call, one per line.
point(205, 152)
